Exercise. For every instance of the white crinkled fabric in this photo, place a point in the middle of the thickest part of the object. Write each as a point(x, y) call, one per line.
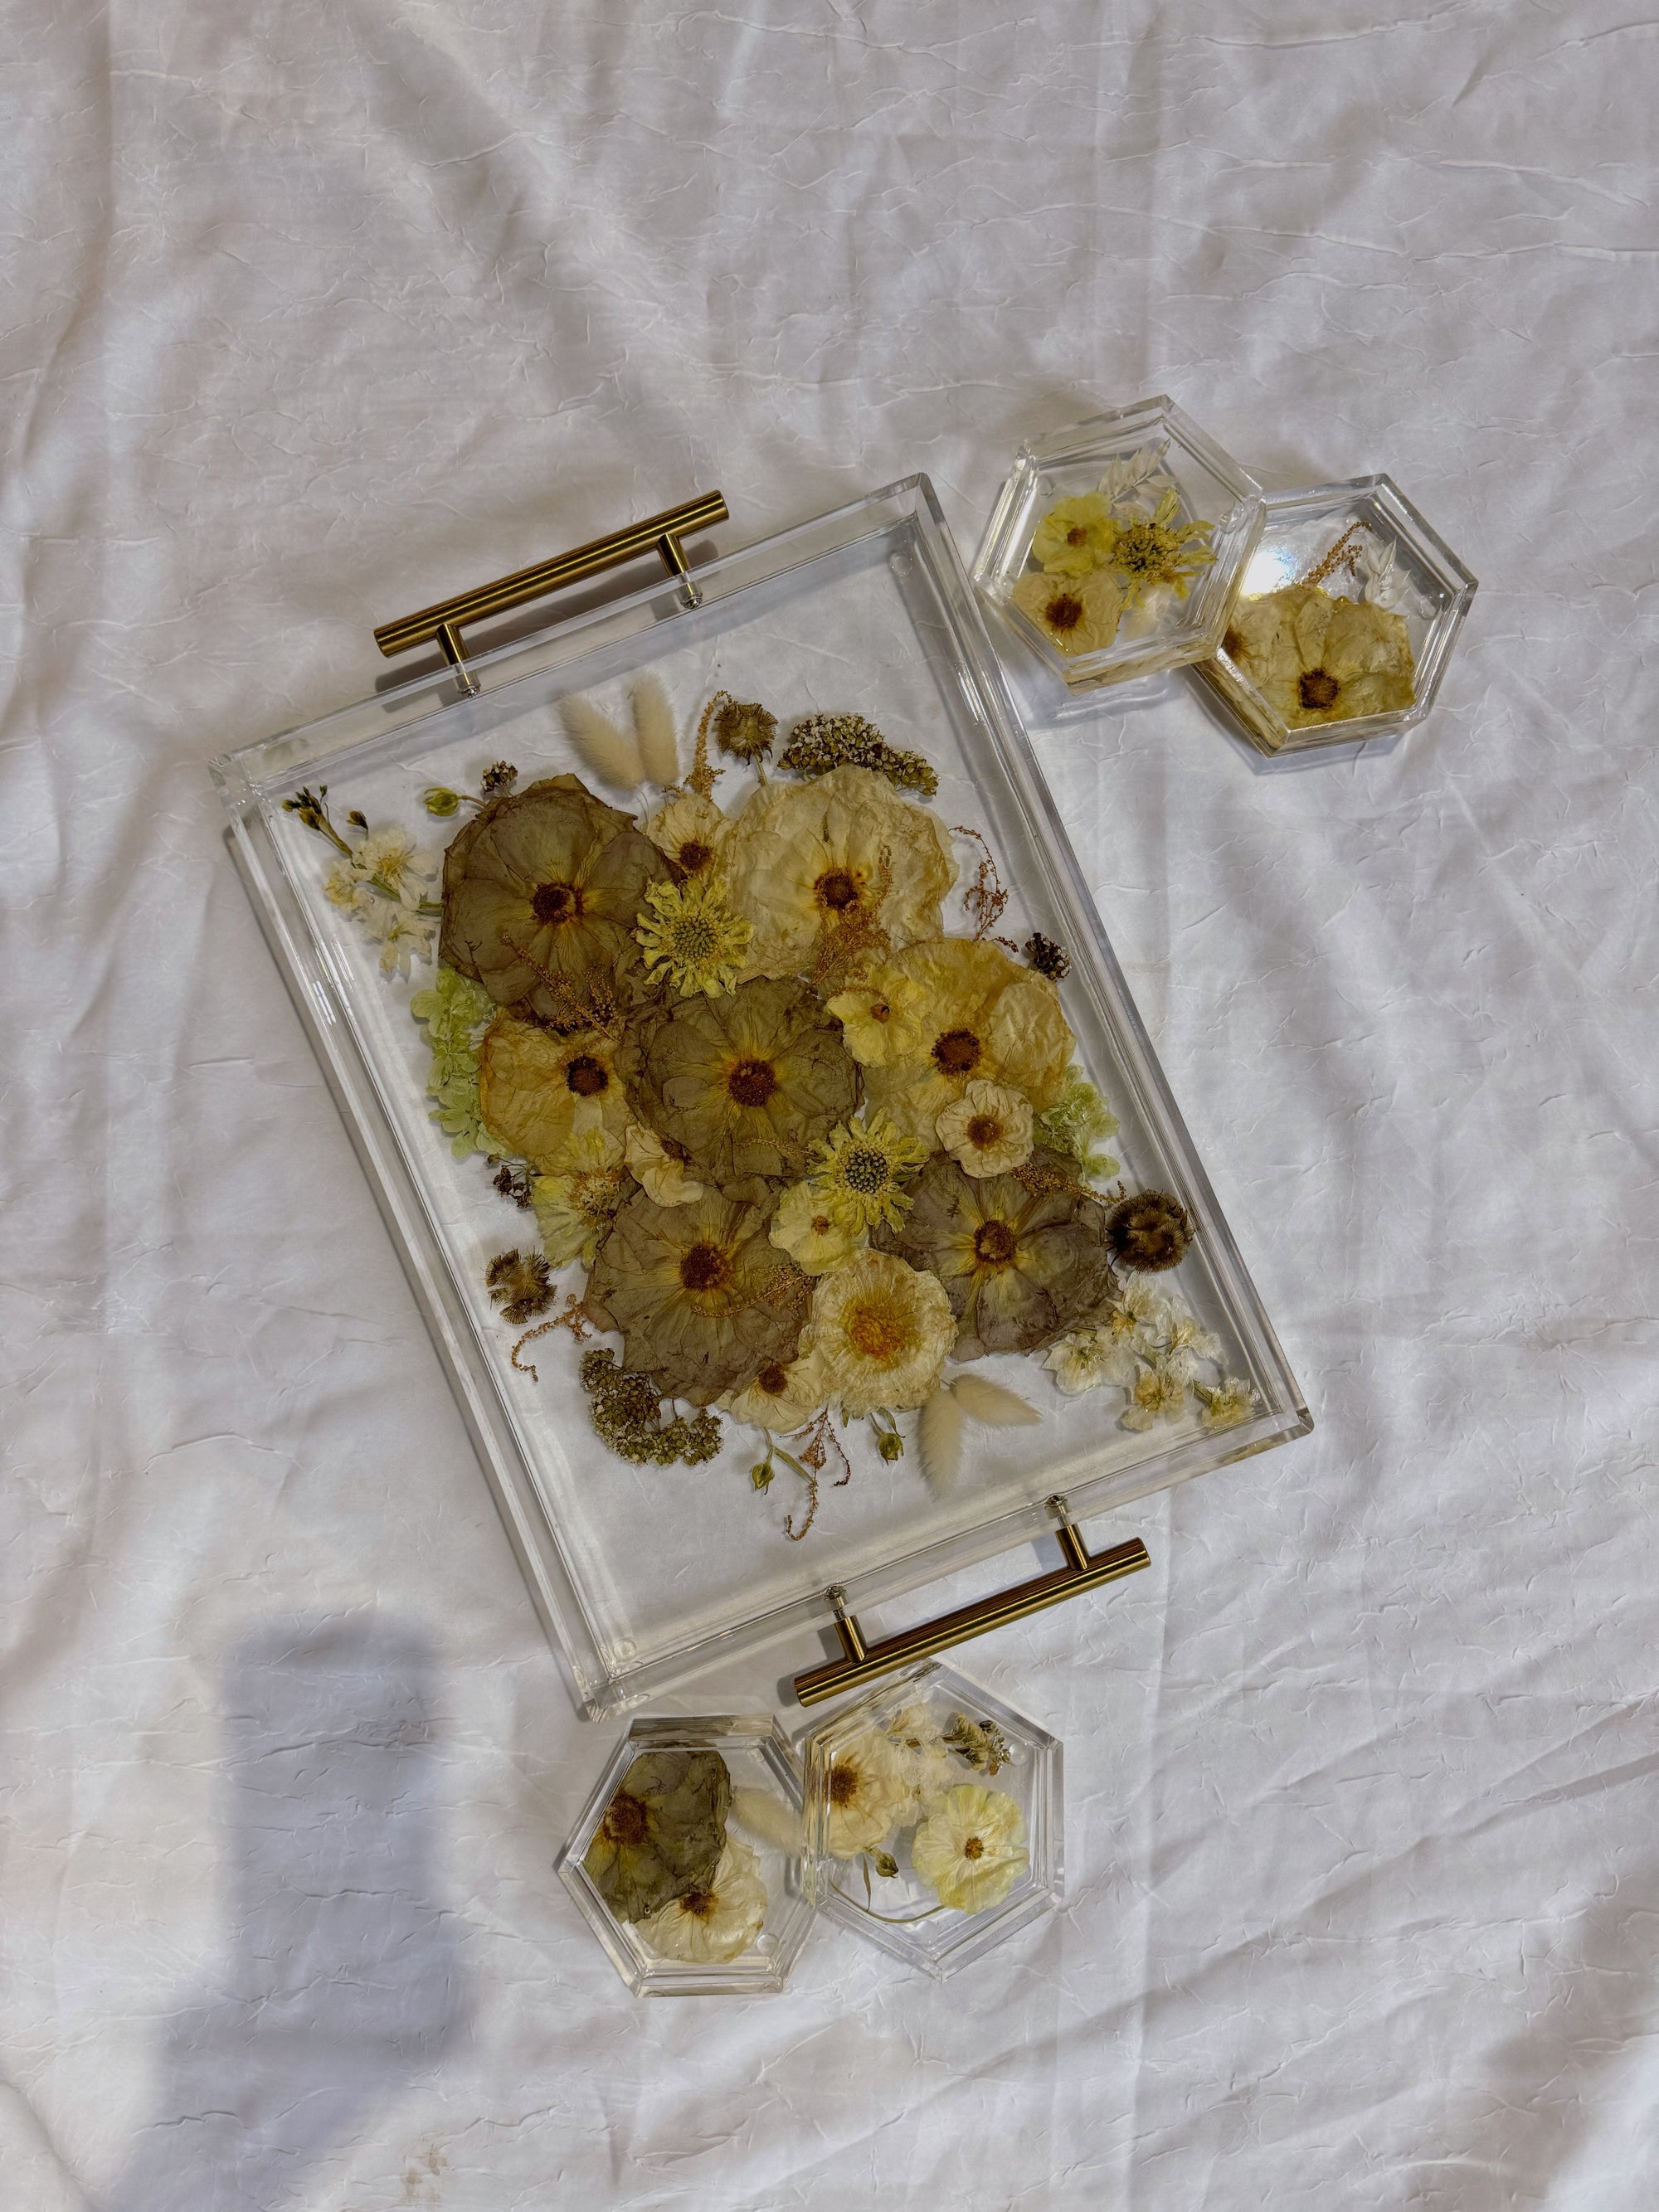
point(316, 313)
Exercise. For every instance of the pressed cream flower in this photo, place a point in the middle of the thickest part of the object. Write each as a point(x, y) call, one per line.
point(987, 1019)
point(1079, 614)
point(659, 1172)
point(865, 1793)
point(1075, 536)
point(880, 1017)
point(1230, 1402)
point(815, 1238)
point(925, 1760)
point(707, 1926)
point(1315, 659)
point(784, 1395)
point(691, 831)
point(1186, 1343)
point(988, 1130)
point(1158, 549)
point(970, 1850)
point(808, 859)
point(859, 1168)
point(692, 934)
point(536, 1090)
point(1083, 1361)
point(1159, 1395)
point(574, 1208)
point(882, 1332)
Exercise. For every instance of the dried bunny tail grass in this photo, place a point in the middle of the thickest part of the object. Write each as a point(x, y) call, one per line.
point(768, 1819)
point(612, 754)
point(654, 726)
point(990, 1403)
point(938, 1434)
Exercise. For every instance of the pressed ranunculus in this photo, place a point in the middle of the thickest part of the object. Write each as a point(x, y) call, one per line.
point(881, 1331)
point(691, 830)
point(971, 1849)
point(542, 891)
point(988, 1130)
point(816, 1239)
point(864, 1793)
point(1075, 536)
point(747, 1083)
point(716, 1921)
point(663, 1832)
point(986, 1020)
point(702, 1300)
point(1079, 614)
point(1317, 658)
point(1021, 1265)
point(538, 1090)
point(807, 860)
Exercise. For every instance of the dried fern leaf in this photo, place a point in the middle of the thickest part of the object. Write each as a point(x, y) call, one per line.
point(939, 1436)
point(654, 726)
point(990, 1403)
point(609, 753)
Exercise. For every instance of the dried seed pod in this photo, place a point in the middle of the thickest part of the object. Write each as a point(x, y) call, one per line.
point(1149, 1232)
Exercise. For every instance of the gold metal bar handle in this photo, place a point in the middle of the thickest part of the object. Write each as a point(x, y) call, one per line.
point(657, 533)
point(861, 1662)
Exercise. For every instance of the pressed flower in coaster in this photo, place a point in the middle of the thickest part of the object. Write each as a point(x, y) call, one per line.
point(1344, 621)
point(1116, 545)
point(686, 1861)
point(933, 1818)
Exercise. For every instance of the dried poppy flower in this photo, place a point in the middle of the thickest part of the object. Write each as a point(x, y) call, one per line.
point(747, 1084)
point(1149, 1232)
point(542, 891)
point(1020, 1267)
point(700, 1297)
point(663, 1832)
point(982, 1018)
point(1077, 614)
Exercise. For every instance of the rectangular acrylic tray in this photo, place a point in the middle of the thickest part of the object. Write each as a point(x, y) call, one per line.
point(642, 1574)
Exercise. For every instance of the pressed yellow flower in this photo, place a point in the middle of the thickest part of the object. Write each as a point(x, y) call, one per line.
point(574, 1208)
point(988, 1020)
point(537, 1091)
point(864, 1793)
point(691, 830)
point(988, 1130)
point(810, 1234)
point(1158, 549)
point(693, 934)
point(784, 1395)
point(808, 859)
point(661, 1172)
point(1075, 536)
point(706, 1927)
point(970, 1850)
point(1079, 614)
point(882, 1331)
point(859, 1168)
point(880, 1017)
point(1315, 659)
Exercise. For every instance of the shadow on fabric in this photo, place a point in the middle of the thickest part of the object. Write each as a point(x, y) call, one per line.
point(343, 1983)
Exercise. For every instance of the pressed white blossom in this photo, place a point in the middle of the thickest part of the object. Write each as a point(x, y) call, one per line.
point(706, 1927)
point(1158, 1394)
point(1227, 1404)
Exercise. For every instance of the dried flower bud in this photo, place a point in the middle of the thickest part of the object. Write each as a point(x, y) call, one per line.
point(440, 801)
point(1149, 1232)
point(891, 1444)
point(760, 1475)
point(886, 1865)
point(1048, 959)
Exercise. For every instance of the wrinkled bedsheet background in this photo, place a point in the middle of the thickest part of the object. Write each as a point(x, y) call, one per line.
point(316, 312)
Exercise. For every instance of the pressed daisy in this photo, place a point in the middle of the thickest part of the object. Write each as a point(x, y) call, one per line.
point(1315, 659)
point(1075, 536)
point(536, 1090)
point(692, 934)
point(1227, 1404)
point(1158, 1393)
point(714, 1922)
point(663, 1832)
point(659, 1172)
point(784, 1395)
point(859, 1169)
point(882, 1331)
point(1079, 614)
point(1156, 549)
point(864, 1793)
point(574, 1207)
point(971, 1849)
point(986, 1020)
point(816, 1239)
point(880, 1017)
point(988, 1130)
point(691, 831)
point(817, 858)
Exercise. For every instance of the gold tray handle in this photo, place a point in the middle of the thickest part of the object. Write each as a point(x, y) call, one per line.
point(863, 1662)
point(659, 533)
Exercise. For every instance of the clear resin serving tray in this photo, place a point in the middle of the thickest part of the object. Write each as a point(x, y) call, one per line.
point(643, 1573)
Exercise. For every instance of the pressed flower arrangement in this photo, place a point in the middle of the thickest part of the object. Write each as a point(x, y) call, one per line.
point(797, 1148)
point(933, 1818)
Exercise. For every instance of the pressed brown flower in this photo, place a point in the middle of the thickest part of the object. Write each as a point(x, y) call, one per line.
point(747, 1084)
point(542, 891)
point(699, 1296)
point(663, 1832)
point(1149, 1232)
point(1020, 1267)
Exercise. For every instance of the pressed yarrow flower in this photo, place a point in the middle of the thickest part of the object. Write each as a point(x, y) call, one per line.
point(1156, 549)
point(971, 1849)
point(692, 934)
point(1075, 538)
point(859, 1171)
point(708, 1925)
point(1079, 614)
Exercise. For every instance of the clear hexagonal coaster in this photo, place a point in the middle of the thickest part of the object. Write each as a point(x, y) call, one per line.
point(1116, 546)
point(1344, 621)
point(686, 1861)
point(933, 1819)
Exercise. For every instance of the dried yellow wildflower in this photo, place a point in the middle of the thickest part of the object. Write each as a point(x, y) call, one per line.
point(882, 1331)
point(970, 1850)
point(1315, 659)
point(814, 1237)
point(691, 934)
point(783, 1395)
point(1158, 549)
point(536, 1090)
point(1075, 538)
point(987, 1020)
point(1079, 614)
point(691, 831)
point(574, 1208)
point(859, 1168)
point(661, 1172)
point(988, 1130)
point(880, 1017)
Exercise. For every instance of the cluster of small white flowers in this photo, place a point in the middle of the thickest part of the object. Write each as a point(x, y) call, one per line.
point(1152, 1347)
point(382, 884)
